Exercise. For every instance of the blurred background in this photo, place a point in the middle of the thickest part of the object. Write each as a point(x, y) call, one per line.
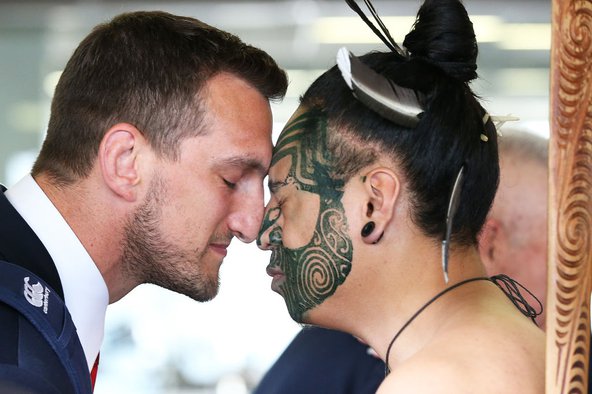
point(160, 342)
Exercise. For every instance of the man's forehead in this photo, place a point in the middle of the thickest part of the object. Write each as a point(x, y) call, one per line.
point(304, 121)
point(302, 137)
point(302, 157)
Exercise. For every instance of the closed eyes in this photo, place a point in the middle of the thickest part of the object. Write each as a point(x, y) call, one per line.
point(229, 184)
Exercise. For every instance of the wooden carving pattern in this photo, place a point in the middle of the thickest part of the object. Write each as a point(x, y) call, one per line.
point(570, 249)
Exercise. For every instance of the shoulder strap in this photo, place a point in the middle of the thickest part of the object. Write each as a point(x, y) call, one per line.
point(45, 310)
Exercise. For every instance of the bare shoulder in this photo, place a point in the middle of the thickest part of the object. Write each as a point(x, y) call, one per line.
point(474, 361)
point(426, 375)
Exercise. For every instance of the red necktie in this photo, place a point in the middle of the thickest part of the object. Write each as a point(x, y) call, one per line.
point(93, 373)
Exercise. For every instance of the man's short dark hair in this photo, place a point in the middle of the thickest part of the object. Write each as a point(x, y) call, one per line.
point(146, 69)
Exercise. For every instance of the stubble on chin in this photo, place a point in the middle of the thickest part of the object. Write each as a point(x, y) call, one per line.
point(148, 258)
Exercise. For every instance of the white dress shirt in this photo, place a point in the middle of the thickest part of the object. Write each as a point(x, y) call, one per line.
point(85, 291)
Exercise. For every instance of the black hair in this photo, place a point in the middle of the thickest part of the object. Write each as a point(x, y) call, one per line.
point(441, 61)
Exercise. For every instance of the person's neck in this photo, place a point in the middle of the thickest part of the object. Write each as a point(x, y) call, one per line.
point(408, 286)
point(98, 225)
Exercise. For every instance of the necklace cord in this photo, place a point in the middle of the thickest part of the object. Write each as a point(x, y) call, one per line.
point(507, 285)
point(511, 289)
point(434, 298)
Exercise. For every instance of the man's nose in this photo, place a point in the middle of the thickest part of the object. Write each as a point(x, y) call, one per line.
point(245, 221)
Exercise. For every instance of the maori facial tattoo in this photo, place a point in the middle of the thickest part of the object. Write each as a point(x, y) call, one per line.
point(313, 271)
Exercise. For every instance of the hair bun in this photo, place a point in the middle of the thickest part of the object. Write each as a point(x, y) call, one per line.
point(443, 35)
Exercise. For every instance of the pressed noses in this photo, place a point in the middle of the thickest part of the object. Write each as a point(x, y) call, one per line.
point(245, 218)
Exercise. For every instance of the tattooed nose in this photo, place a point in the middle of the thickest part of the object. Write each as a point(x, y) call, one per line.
point(270, 226)
point(270, 236)
point(275, 236)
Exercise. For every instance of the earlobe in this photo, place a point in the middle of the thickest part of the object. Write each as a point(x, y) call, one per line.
point(118, 156)
point(382, 188)
point(487, 243)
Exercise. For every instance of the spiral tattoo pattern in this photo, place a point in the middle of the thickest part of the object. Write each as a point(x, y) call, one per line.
point(314, 271)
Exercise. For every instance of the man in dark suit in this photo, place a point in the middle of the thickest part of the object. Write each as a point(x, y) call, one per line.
point(29, 361)
point(158, 142)
point(319, 360)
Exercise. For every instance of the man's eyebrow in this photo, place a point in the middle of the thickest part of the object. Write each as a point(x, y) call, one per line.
point(246, 163)
point(274, 186)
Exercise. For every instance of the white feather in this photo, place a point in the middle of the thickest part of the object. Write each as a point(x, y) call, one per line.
point(344, 65)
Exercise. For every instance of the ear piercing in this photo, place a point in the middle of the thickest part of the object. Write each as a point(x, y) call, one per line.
point(378, 239)
point(368, 228)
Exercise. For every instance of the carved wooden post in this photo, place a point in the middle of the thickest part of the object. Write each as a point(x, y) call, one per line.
point(570, 198)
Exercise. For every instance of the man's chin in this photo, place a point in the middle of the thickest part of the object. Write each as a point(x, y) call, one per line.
point(302, 318)
point(299, 316)
point(201, 295)
point(203, 292)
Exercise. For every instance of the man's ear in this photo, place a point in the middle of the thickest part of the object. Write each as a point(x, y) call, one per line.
point(382, 187)
point(489, 244)
point(118, 159)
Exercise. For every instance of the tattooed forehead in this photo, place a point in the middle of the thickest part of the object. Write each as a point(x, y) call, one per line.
point(304, 139)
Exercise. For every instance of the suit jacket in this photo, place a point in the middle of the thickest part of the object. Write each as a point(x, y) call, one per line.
point(321, 361)
point(20, 245)
point(28, 362)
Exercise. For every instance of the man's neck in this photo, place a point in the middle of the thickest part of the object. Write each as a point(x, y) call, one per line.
point(398, 293)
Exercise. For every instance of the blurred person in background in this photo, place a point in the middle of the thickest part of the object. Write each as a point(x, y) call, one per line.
point(380, 184)
point(158, 142)
point(513, 242)
point(514, 239)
